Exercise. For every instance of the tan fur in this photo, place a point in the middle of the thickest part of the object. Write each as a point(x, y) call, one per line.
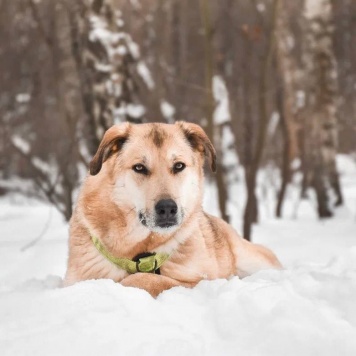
point(201, 246)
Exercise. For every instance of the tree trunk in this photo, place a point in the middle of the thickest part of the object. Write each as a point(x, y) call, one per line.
point(221, 181)
point(251, 174)
point(210, 105)
point(107, 60)
point(286, 100)
point(286, 156)
point(322, 105)
point(248, 133)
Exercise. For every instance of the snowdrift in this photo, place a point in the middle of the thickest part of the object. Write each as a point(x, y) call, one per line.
point(309, 310)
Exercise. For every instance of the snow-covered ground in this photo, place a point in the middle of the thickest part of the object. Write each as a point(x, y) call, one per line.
point(307, 309)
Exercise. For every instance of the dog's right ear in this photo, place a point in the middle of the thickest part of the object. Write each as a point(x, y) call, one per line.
point(112, 141)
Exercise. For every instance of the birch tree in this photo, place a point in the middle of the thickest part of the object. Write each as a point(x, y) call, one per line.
point(109, 65)
point(320, 121)
point(251, 173)
point(290, 75)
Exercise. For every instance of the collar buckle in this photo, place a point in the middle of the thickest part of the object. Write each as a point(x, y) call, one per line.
point(147, 264)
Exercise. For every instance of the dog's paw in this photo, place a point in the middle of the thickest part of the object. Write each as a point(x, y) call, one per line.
point(152, 283)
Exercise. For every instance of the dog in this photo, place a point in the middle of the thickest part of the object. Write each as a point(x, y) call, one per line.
point(140, 210)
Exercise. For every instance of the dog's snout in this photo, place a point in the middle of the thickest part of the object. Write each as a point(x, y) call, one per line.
point(166, 213)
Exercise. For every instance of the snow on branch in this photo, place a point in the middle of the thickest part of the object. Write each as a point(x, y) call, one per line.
point(221, 96)
point(168, 111)
point(25, 148)
point(317, 8)
point(115, 60)
point(47, 177)
point(21, 144)
point(145, 74)
point(222, 119)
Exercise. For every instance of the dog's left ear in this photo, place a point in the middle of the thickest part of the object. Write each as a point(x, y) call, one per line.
point(112, 141)
point(199, 141)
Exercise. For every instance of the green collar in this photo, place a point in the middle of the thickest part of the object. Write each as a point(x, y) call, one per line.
point(149, 264)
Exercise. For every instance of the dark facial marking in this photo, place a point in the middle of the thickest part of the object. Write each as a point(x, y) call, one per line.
point(158, 136)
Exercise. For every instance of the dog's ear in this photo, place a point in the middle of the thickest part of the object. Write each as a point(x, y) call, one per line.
point(199, 141)
point(112, 141)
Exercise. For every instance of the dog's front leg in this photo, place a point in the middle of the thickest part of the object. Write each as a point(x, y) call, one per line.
point(152, 283)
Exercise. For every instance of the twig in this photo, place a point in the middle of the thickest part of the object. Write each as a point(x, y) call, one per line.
point(42, 233)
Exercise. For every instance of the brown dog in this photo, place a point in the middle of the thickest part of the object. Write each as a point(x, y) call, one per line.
point(144, 194)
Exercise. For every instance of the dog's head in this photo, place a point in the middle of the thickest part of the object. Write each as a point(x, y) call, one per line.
point(156, 170)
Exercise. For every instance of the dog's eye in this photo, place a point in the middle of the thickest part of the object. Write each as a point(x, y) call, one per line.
point(140, 168)
point(178, 167)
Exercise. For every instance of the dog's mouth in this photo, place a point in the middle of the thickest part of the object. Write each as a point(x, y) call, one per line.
point(159, 224)
point(142, 219)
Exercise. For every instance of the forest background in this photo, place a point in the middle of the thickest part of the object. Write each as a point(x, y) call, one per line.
point(273, 83)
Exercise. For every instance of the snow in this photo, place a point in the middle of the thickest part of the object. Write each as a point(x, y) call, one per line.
point(131, 109)
point(300, 98)
point(42, 166)
point(136, 4)
point(101, 67)
point(121, 50)
point(111, 39)
point(301, 312)
point(221, 96)
point(229, 157)
point(23, 98)
point(306, 309)
point(168, 111)
point(25, 147)
point(99, 31)
point(134, 48)
point(120, 23)
point(317, 8)
point(135, 110)
point(273, 123)
point(290, 41)
point(21, 144)
point(261, 7)
point(145, 74)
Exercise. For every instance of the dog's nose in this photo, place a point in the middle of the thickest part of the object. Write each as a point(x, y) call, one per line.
point(166, 213)
point(166, 208)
